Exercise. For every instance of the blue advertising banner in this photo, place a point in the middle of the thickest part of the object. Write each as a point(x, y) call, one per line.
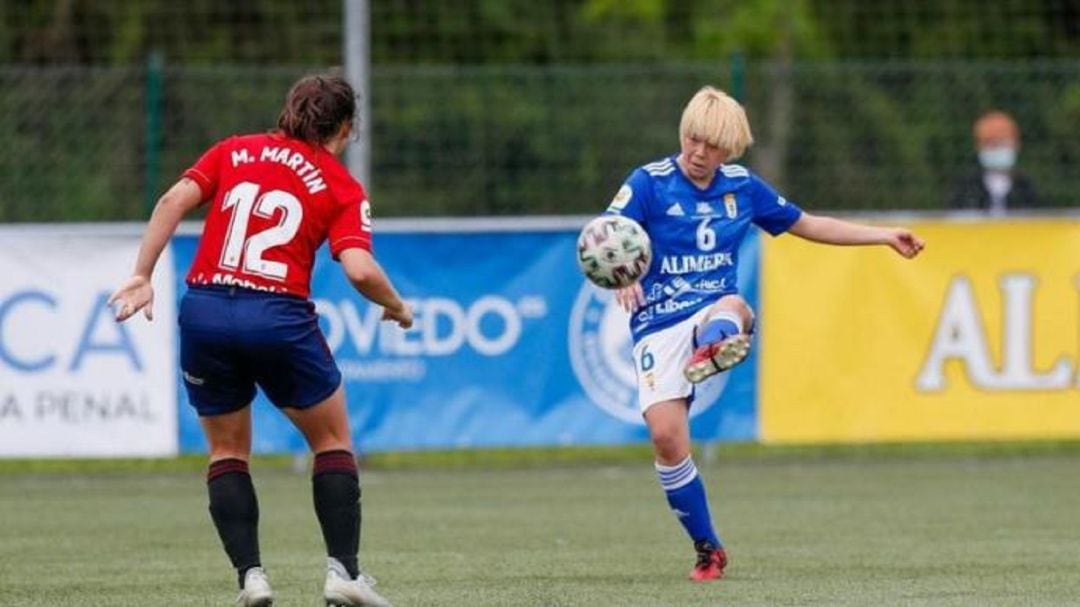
point(511, 347)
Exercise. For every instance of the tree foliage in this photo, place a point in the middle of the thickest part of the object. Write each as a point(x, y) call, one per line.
point(286, 32)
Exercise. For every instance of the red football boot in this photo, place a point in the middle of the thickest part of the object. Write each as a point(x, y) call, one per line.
point(710, 359)
point(710, 562)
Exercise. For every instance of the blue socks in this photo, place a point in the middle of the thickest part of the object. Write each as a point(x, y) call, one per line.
point(720, 327)
point(686, 495)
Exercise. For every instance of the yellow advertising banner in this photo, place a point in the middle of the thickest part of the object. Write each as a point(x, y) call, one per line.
point(977, 338)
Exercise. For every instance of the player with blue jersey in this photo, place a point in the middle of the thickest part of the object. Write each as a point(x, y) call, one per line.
point(687, 319)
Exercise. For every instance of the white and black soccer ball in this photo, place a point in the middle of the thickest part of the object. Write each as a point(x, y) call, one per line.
point(613, 251)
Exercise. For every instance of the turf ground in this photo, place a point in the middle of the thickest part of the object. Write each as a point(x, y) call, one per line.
point(950, 528)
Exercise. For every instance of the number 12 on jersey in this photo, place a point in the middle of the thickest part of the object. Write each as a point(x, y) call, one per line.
point(239, 248)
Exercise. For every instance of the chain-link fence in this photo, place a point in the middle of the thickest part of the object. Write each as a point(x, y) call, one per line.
point(524, 119)
point(100, 143)
point(880, 136)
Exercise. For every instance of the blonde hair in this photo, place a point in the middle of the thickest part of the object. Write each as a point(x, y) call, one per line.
point(713, 116)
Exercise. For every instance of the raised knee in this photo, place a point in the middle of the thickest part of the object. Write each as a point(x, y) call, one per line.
point(734, 302)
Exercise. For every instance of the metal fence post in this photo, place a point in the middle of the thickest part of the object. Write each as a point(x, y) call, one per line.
point(358, 72)
point(738, 76)
point(155, 80)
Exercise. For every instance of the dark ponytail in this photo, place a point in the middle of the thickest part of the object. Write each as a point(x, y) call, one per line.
point(316, 107)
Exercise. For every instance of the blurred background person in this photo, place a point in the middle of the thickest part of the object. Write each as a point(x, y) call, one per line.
point(996, 186)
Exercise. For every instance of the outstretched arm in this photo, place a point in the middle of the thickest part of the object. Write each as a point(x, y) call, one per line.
point(368, 277)
point(828, 230)
point(137, 293)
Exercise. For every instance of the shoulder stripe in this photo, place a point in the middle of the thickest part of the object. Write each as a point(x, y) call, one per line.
point(660, 167)
point(660, 164)
point(734, 170)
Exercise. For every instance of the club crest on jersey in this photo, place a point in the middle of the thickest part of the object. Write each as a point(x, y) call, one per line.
point(731, 207)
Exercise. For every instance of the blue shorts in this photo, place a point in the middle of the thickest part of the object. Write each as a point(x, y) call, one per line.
point(232, 339)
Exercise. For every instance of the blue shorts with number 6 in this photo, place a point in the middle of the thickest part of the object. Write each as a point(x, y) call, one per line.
point(232, 339)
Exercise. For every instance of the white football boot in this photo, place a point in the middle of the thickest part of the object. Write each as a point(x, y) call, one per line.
point(256, 591)
point(340, 591)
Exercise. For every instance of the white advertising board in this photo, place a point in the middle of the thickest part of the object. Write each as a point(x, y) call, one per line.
point(74, 382)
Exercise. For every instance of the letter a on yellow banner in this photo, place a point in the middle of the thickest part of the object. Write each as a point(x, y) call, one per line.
point(977, 338)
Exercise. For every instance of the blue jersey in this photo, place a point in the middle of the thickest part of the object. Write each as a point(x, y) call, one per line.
point(695, 235)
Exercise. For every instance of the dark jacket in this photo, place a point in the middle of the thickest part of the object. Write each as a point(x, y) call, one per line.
point(970, 193)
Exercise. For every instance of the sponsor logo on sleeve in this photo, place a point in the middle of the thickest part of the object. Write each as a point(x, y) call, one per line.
point(621, 199)
point(365, 216)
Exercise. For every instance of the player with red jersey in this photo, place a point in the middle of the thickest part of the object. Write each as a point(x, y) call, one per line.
point(246, 319)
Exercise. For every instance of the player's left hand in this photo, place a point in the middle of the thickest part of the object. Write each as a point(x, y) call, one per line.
point(135, 294)
point(905, 243)
point(403, 316)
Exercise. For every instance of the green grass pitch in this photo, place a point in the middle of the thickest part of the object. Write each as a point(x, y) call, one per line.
point(892, 528)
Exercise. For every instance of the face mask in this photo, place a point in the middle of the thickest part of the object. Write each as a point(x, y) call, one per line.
point(997, 159)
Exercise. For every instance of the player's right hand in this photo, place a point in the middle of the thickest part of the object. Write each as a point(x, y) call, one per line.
point(905, 243)
point(135, 294)
point(403, 316)
point(630, 298)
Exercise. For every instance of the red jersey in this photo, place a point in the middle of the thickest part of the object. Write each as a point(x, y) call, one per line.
point(274, 201)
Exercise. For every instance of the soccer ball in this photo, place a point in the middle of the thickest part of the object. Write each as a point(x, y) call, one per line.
point(613, 251)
